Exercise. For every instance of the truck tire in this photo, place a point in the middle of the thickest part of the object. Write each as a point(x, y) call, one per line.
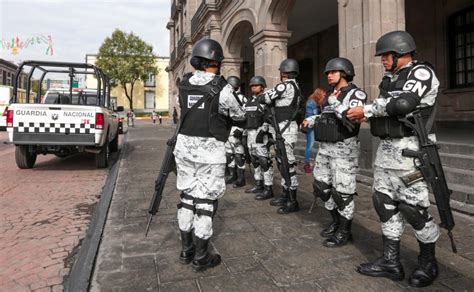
point(114, 143)
point(101, 158)
point(24, 158)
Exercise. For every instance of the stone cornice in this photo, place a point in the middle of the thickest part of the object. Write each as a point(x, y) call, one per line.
point(269, 35)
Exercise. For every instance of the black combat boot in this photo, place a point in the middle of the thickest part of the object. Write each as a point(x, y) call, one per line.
point(388, 265)
point(281, 201)
point(203, 259)
point(240, 182)
point(267, 194)
point(258, 188)
point(331, 229)
point(342, 235)
point(427, 270)
point(188, 248)
point(291, 204)
point(230, 179)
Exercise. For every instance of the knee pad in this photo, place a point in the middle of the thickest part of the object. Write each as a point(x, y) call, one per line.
point(342, 200)
point(384, 206)
point(415, 215)
point(255, 161)
point(229, 157)
point(322, 190)
point(265, 163)
point(239, 159)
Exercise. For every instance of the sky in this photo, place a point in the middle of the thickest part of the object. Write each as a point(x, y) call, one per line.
point(77, 27)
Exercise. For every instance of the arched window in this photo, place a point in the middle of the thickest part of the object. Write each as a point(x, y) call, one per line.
point(461, 40)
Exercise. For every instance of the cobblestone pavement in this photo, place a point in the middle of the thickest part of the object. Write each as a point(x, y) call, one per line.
point(261, 250)
point(44, 214)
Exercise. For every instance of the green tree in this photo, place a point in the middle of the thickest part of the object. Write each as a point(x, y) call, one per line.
point(126, 59)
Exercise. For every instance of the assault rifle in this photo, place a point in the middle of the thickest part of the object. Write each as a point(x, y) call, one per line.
point(166, 167)
point(281, 157)
point(430, 169)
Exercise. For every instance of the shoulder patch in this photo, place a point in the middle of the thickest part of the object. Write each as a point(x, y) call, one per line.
point(422, 74)
point(360, 94)
point(280, 87)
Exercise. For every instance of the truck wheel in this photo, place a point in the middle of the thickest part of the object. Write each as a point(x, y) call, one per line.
point(24, 158)
point(101, 158)
point(114, 144)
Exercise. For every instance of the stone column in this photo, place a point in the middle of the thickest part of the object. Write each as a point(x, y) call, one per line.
point(231, 67)
point(270, 49)
point(361, 23)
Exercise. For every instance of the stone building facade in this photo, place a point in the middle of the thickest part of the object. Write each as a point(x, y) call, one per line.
point(258, 35)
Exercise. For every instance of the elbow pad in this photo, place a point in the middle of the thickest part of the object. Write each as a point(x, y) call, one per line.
point(402, 105)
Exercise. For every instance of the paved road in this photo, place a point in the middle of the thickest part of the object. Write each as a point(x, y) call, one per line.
point(261, 250)
point(44, 214)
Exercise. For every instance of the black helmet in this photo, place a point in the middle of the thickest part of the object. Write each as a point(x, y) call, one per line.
point(289, 65)
point(234, 81)
point(340, 64)
point(258, 80)
point(208, 49)
point(400, 42)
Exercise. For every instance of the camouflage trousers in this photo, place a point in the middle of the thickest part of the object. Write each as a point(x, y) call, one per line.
point(234, 146)
point(388, 182)
point(260, 151)
point(339, 173)
point(201, 185)
point(291, 137)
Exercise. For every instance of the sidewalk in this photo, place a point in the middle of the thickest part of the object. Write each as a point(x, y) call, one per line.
point(261, 250)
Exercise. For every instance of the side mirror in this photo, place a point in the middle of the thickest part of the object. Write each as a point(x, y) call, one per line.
point(120, 108)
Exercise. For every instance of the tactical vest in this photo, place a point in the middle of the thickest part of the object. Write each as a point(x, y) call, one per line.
point(254, 114)
point(289, 112)
point(391, 127)
point(329, 127)
point(205, 120)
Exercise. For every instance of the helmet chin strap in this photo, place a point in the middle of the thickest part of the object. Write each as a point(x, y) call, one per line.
point(395, 61)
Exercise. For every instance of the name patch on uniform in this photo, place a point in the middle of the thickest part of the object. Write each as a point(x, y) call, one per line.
point(251, 108)
point(192, 99)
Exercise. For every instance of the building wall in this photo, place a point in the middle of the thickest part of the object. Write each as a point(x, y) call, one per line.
point(431, 37)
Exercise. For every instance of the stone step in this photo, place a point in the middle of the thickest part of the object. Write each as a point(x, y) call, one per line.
point(462, 193)
point(459, 161)
point(456, 148)
point(459, 176)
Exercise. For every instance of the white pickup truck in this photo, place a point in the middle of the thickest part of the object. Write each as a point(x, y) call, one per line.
point(63, 121)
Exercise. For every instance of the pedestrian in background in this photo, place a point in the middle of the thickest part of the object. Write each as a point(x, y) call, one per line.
point(160, 118)
point(312, 108)
point(153, 117)
point(175, 116)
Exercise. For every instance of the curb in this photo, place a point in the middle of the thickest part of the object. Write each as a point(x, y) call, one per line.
point(83, 267)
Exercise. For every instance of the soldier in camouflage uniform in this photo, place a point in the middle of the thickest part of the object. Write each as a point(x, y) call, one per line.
point(234, 149)
point(259, 131)
point(200, 151)
point(285, 97)
point(408, 85)
point(337, 160)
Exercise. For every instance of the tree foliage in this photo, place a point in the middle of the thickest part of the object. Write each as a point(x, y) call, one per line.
point(126, 59)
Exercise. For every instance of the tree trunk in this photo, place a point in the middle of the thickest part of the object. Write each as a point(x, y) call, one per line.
point(129, 97)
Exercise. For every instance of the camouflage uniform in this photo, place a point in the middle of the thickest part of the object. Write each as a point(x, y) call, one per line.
point(390, 164)
point(337, 163)
point(200, 163)
point(291, 133)
point(234, 145)
point(261, 151)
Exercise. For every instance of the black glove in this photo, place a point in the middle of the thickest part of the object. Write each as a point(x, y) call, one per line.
point(261, 98)
point(237, 133)
point(346, 123)
point(260, 135)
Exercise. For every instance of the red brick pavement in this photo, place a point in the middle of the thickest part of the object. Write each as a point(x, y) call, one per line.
point(44, 213)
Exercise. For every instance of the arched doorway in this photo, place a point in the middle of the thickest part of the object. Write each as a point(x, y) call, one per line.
point(241, 51)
